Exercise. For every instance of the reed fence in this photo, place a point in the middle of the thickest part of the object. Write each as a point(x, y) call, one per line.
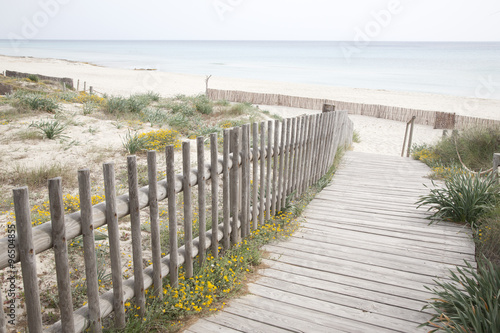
point(437, 119)
point(281, 158)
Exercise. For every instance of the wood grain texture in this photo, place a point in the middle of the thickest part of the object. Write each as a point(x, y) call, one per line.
point(61, 254)
point(359, 262)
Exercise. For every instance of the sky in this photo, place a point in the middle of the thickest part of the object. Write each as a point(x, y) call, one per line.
point(382, 20)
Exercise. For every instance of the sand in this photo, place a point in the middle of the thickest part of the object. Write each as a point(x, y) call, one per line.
point(377, 135)
point(126, 82)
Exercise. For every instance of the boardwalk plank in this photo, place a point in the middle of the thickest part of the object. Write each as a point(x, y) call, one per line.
point(359, 262)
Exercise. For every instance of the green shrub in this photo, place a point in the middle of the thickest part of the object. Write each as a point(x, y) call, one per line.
point(116, 105)
point(33, 77)
point(476, 147)
point(36, 101)
point(465, 198)
point(49, 129)
point(470, 303)
point(203, 105)
point(133, 143)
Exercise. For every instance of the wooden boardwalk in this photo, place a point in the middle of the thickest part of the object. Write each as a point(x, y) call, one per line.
point(360, 261)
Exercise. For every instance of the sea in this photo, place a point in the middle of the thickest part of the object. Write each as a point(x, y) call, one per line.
point(470, 69)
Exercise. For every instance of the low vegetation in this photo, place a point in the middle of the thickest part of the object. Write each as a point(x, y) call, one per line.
point(39, 110)
point(470, 303)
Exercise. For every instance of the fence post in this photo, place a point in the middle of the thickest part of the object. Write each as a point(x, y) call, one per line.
point(291, 147)
point(172, 218)
point(235, 136)
point(91, 90)
point(214, 176)
point(84, 86)
point(114, 243)
point(135, 230)
point(262, 188)
point(275, 166)
point(202, 240)
point(245, 181)
point(78, 85)
point(496, 164)
point(61, 254)
point(155, 224)
point(89, 250)
point(255, 179)
point(3, 321)
point(281, 167)
point(28, 258)
point(268, 168)
point(188, 213)
point(226, 205)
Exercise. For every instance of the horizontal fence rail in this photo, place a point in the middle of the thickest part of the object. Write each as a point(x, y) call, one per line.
point(437, 119)
point(281, 158)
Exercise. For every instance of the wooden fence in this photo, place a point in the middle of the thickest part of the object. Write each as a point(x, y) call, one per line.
point(287, 157)
point(437, 119)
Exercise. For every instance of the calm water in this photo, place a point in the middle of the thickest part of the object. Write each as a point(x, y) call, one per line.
point(462, 69)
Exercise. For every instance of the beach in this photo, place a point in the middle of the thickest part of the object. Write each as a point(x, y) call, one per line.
point(377, 135)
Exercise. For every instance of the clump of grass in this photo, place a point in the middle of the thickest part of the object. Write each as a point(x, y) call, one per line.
point(155, 116)
point(34, 101)
point(117, 105)
point(89, 108)
point(476, 147)
point(203, 105)
point(37, 177)
point(50, 129)
point(469, 303)
point(33, 78)
point(465, 198)
point(133, 143)
point(356, 138)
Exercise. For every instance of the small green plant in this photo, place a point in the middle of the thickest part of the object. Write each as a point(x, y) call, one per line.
point(465, 198)
point(89, 108)
point(356, 138)
point(33, 78)
point(133, 143)
point(50, 129)
point(35, 101)
point(203, 104)
point(470, 303)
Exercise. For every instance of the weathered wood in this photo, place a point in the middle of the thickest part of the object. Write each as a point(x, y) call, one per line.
point(60, 254)
point(281, 168)
point(496, 164)
point(234, 191)
point(154, 218)
point(114, 244)
point(188, 209)
point(89, 250)
point(286, 167)
point(262, 187)
point(135, 230)
point(255, 177)
point(226, 206)
point(214, 175)
point(3, 318)
point(245, 181)
point(172, 217)
point(276, 144)
point(291, 157)
point(268, 168)
point(202, 219)
point(296, 157)
point(303, 161)
point(28, 258)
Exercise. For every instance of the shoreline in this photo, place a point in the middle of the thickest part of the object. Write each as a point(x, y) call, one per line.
point(117, 81)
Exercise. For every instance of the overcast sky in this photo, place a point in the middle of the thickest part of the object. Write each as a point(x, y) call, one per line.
point(384, 20)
